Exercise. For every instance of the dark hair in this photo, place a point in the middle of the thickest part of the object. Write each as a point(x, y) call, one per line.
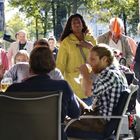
point(104, 50)
point(42, 60)
point(41, 43)
point(67, 30)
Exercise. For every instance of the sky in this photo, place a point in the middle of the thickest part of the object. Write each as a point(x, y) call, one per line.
point(9, 13)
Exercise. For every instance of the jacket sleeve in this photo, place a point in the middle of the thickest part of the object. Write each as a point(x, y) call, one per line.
point(73, 107)
point(129, 54)
point(137, 56)
point(62, 57)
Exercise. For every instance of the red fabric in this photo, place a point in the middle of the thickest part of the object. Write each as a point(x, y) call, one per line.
point(4, 60)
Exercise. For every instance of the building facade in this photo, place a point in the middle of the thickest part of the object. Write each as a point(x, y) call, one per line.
point(2, 17)
point(95, 27)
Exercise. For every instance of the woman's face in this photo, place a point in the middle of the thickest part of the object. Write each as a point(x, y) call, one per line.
point(76, 25)
point(21, 58)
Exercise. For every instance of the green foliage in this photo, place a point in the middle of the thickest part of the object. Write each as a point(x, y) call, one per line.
point(106, 9)
point(41, 11)
point(37, 10)
point(15, 24)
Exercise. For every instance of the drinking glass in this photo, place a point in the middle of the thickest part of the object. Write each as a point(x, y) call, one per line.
point(5, 83)
point(80, 76)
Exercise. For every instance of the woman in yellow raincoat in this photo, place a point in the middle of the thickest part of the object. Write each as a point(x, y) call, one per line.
point(75, 43)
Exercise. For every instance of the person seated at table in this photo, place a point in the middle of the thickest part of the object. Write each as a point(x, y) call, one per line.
point(107, 87)
point(21, 56)
point(41, 63)
point(20, 71)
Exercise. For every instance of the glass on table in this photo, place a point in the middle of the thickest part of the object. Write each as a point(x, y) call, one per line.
point(5, 83)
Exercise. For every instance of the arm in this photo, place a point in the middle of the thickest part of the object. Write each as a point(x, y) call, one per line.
point(85, 44)
point(71, 107)
point(132, 44)
point(86, 82)
point(129, 54)
point(56, 74)
point(88, 42)
point(137, 56)
point(11, 73)
point(62, 57)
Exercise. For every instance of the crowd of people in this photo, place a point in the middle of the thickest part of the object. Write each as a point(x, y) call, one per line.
point(42, 66)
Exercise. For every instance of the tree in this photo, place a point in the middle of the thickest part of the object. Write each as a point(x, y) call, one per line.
point(11, 25)
point(47, 14)
point(125, 9)
point(36, 9)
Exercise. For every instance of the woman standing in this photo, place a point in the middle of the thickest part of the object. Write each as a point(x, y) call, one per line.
point(75, 43)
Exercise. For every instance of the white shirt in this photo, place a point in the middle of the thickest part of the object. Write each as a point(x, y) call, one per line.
point(117, 46)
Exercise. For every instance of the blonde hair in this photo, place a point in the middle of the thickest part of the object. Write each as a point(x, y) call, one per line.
point(21, 52)
point(119, 21)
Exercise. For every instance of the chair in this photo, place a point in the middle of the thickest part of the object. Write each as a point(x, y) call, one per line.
point(30, 116)
point(132, 82)
point(112, 128)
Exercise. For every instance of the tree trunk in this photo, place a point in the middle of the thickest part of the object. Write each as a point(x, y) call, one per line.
point(53, 14)
point(36, 23)
point(124, 21)
point(74, 10)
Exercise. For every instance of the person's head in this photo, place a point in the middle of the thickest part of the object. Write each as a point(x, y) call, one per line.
point(22, 36)
point(52, 42)
point(74, 24)
point(16, 36)
point(21, 56)
point(116, 27)
point(41, 60)
point(41, 43)
point(100, 57)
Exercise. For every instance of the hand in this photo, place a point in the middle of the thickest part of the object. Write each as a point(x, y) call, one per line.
point(85, 69)
point(84, 44)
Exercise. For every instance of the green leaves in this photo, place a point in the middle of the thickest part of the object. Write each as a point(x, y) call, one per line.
point(126, 9)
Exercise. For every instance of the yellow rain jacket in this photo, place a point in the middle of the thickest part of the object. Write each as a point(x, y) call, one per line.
point(69, 58)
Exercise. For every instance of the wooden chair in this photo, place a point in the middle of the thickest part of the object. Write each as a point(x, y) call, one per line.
point(30, 116)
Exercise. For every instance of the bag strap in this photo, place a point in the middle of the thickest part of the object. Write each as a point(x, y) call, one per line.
point(83, 54)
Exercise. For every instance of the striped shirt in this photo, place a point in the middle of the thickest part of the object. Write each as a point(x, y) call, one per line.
point(107, 87)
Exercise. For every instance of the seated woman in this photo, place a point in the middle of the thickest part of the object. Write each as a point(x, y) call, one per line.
point(41, 63)
point(20, 69)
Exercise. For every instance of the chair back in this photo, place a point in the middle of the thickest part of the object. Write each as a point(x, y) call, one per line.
point(119, 110)
point(131, 79)
point(31, 118)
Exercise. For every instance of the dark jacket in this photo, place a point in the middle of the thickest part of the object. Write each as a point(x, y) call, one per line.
point(43, 82)
point(137, 69)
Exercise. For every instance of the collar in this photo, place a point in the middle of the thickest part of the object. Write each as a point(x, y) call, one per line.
point(112, 66)
point(38, 76)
